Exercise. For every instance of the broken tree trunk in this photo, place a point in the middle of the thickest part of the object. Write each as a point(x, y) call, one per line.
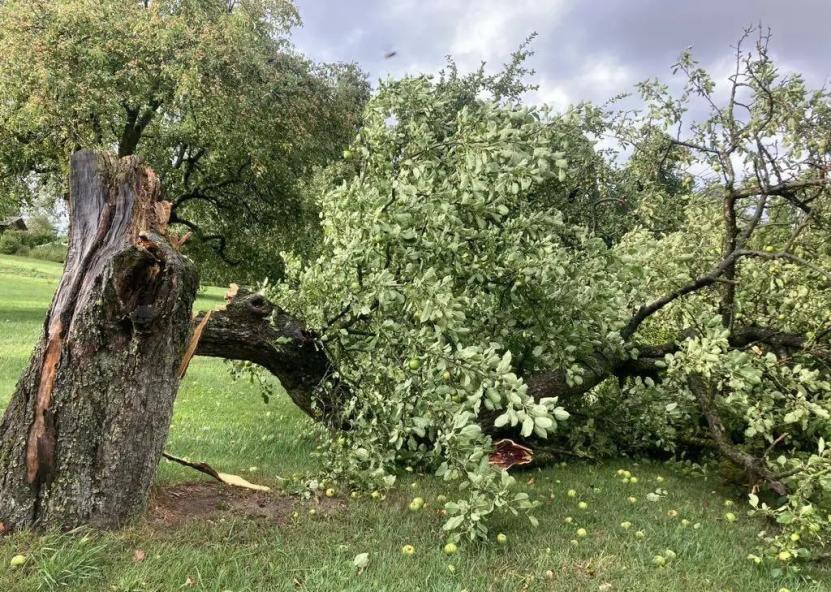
point(84, 431)
point(250, 328)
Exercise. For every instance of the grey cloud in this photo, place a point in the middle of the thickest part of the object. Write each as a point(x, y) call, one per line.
point(585, 49)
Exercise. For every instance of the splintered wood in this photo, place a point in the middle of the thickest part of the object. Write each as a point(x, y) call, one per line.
point(37, 445)
point(508, 453)
point(226, 478)
point(194, 342)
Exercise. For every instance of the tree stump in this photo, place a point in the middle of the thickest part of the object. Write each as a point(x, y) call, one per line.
point(83, 434)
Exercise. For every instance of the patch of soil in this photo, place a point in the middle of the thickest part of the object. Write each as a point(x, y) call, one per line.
point(210, 500)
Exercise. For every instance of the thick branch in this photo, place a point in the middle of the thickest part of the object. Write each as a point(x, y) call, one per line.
point(134, 127)
point(715, 275)
point(252, 329)
point(754, 467)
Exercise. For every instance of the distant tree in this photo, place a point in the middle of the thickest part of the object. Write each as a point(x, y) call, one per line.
point(208, 92)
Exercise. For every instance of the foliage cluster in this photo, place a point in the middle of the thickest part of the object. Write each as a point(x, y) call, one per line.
point(40, 241)
point(459, 265)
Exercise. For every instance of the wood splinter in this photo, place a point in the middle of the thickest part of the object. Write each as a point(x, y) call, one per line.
point(508, 453)
point(207, 469)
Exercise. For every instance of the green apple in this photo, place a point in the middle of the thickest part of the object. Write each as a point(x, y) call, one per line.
point(450, 549)
point(408, 550)
point(501, 538)
point(659, 560)
point(417, 504)
point(17, 560)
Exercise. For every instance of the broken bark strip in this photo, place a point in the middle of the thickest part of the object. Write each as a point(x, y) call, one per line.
point(202, 467)
point(84, 431)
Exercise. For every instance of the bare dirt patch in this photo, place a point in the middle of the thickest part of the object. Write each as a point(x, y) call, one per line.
point(209, 500)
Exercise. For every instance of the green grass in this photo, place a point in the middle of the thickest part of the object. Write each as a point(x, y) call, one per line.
point(228, 425)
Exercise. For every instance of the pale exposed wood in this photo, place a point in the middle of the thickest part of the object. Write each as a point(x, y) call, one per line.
point(194, 342)
point(227, 478)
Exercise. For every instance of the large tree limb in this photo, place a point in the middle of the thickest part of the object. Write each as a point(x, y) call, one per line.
point(252, 329)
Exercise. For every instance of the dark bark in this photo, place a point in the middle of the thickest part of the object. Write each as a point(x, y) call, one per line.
point(252, 329)
point(134, 126)
point(84, 431)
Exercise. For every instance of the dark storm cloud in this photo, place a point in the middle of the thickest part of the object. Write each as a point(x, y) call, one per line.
point(585, 49)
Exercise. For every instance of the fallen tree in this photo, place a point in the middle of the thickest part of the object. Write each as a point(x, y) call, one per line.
point(253, 329)
point(453, 301)
point(459, 294)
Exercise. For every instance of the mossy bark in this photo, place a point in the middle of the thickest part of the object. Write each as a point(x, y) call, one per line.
point(84, 431)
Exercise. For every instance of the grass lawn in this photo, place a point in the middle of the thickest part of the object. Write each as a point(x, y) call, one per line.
point(230, 549)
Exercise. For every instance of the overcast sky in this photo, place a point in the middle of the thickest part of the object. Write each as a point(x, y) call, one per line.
point(586, 49)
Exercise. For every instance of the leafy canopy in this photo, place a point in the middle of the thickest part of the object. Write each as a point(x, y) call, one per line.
point(441, 280)
point(458, 267)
